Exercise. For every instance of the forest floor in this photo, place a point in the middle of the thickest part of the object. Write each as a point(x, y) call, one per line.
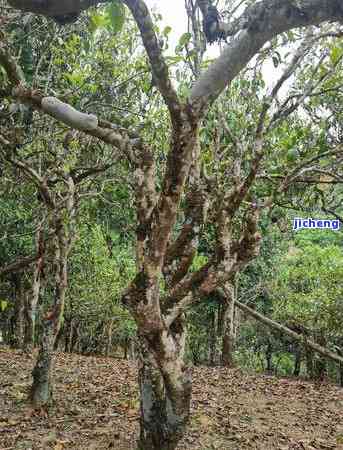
point(97, 408)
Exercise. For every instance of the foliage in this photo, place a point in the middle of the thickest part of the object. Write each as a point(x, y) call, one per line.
point(308, 288)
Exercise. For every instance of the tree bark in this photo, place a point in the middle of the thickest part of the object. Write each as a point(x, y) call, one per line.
point(28, 339)
point(269, 358)
point(69, 335)
point(62, 222)
point(19, 311)
point(228, 341)
point(126, 350)
point(165, 388)
point(213, 338)
point(74, 335)
point(32, 300)
point(320, 366)
point(297, 361)
point(109, 337)
point(132, 349)
point(309, 363)
point(36, 287)
point(57, 343)
point(41, 389)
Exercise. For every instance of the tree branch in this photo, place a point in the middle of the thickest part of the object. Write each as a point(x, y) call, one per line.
point(265, 20)
point(18, 265)
point(281, 328)
point(159, 67)
point(51, 8)
point(14, 72)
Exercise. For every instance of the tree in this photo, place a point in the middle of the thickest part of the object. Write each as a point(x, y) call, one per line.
point(60, 173)
point(309, 292)
point(163, 286)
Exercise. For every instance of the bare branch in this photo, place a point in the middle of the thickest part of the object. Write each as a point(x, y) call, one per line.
point(297, 171)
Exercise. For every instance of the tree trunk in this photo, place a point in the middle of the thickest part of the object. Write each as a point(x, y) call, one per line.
point(126, 349)
point(32, 305)
point(237, 323)
point(28, 339)
point(165, 407)
point(340, 367)
point(133, 349)
point(269, 358)
point(213, 338)
point(297, 361)
point(78, 343)
point(19, 311)
point(320, 369)
point(309, 363)
point(109, 338)
point(228, 342)
point(320, 365)
point(165, 388)
point(33, 300)
point(70, 338)
point(41, 390)
point(58, 338)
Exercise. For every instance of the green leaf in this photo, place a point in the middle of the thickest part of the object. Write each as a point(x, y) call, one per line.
point(3, 305)
point(166, 31)
point(116, 13)
point(335, 54)
point(173, 59)
point(292, 154)
point(75, 78)
point(97, 21)
point(184, 39)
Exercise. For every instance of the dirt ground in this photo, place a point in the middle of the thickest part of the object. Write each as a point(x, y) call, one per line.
point(97, 408)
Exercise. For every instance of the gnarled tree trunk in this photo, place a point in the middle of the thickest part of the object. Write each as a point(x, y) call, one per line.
point(165, 388)
point(62, 223)
point(41, 389)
